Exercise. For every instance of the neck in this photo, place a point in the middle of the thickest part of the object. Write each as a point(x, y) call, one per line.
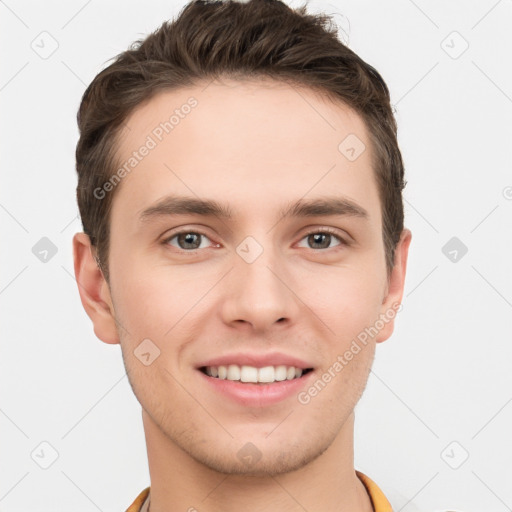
point(328, 483)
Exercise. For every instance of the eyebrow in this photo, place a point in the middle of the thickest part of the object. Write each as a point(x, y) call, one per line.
point(182, 205)
point(324, 206)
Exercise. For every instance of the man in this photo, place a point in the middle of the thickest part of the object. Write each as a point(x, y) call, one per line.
point(240, 190)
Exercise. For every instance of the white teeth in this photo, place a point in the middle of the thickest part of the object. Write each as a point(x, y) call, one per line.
point(280, 372)
point(233, 372)
point(266, 374)
point(246, 373)
point(249, 374)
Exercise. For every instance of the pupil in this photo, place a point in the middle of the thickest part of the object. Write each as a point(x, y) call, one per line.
point(190, 239)
point(317, 239)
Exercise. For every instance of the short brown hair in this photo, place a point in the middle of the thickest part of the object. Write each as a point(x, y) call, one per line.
point(225, 38)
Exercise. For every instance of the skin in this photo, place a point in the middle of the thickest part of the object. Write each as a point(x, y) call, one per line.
point(256, 146)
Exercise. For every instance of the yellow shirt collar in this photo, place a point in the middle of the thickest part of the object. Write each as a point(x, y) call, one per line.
point(379, 501)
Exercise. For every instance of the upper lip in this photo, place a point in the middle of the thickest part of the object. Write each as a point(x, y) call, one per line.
point(257, 360)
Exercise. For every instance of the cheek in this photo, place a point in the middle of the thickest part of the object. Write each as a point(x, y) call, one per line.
point(346, 299)
point(339, 384)
point(151, 300)
point(163, 392)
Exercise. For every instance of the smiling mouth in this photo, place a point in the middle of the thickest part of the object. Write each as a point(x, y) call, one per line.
point(254, 375)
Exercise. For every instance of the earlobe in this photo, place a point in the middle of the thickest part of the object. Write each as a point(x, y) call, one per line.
point(395, 290)
point(93, 289)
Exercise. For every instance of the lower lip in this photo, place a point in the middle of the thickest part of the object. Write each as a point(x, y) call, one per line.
point(258, 395)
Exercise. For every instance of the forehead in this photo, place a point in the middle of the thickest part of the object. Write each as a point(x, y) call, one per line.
point(244, 139)
point(251, 111)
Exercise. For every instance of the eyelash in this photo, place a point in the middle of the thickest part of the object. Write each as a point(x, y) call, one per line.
point(329, 231)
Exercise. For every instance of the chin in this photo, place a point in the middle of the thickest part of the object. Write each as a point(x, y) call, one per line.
point(250, 461)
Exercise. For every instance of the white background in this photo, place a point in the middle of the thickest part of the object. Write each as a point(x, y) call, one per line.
point(443, 377)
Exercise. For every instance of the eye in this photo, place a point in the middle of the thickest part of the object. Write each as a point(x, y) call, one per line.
point(322, 239)
point(187, 240)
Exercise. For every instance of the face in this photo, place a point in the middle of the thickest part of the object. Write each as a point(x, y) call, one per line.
point(245, 238)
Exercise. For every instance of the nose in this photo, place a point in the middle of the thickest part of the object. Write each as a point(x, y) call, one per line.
point(260, 293)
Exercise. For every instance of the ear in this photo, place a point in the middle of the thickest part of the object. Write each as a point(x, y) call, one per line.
point(93, 289)
point(392, 302)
